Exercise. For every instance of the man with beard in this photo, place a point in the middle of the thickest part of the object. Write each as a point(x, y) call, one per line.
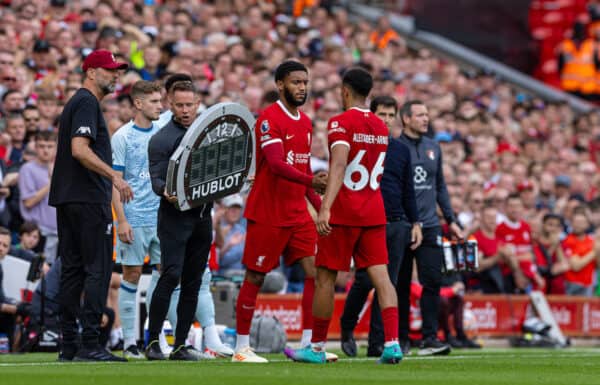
point(81, 191)
point(278, 219)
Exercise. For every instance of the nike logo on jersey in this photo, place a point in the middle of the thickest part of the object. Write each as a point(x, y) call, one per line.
point(288, 137)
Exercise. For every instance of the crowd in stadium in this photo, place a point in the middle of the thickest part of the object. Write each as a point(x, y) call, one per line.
point(522, 173)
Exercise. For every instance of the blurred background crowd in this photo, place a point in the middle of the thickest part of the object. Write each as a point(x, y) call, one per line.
point(511, 160)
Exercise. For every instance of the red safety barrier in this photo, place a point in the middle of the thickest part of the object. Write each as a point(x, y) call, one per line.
point(485, 315)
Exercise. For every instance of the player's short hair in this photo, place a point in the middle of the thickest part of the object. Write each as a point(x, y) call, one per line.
point(144, 87)
point(46, 136)
point(14, 115)
point(385, 101)
point(359, 80)
point(4, 231)
point(179, 77)
point(8, 93)
point(286, 67)
point(183, 86)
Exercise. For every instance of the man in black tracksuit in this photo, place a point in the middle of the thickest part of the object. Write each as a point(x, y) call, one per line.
point(185, 236)
point(402, 230)
point(430, 190)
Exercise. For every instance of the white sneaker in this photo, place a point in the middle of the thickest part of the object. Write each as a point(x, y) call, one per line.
point(247, 355)
point(221, 351)
point(132, 353)
point(330, 357)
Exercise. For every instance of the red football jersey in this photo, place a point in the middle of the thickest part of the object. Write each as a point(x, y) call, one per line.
point(518, 237)
point(359, 201)
point(273, 199)
point(488, 247)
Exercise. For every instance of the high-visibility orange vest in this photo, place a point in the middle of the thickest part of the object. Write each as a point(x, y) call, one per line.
point(578, 73)
point(300, 5)
point(381, 41)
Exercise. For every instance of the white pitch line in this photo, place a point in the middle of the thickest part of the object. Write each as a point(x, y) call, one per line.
point(277, 360)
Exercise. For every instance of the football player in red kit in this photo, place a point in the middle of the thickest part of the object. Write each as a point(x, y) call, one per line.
point(351, 221)
point(278, 219)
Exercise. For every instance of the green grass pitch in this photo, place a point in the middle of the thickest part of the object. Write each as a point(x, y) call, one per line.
point(489, 366)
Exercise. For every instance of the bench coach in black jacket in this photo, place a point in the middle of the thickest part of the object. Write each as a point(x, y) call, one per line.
point(430, 190)
point(185, 236)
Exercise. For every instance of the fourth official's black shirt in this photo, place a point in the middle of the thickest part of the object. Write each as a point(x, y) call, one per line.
point(71, 181)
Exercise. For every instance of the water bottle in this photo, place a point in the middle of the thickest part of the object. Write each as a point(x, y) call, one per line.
point(448, 266)
point(230, 336)
point(472, 254)
point(459, 251)
point(4, 346)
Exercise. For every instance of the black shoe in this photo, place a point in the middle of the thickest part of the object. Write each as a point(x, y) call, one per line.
point(67, 353)
point(455, 342)
point(433, 346)
point(375, 351)
point(96, 353)
point(119, 345)
point(469, 344)
point(153, 352)
point(405, 346)
point(349, 344)
point(183, 353)
point(133, 353)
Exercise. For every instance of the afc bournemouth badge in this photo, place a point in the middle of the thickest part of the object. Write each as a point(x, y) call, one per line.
point(431, 154)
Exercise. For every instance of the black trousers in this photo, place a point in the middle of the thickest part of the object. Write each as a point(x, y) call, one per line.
point(185, 239)
point(398, 242)
point(85, 236)
point(7, 326)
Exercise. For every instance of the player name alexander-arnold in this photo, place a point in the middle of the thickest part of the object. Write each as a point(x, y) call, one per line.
point(215, 186)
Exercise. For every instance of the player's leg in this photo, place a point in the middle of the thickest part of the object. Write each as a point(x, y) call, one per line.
point(308, 293)
point(264, 245)
point(205, 314)
point(301, 248)
point(333, 254)
point(131, 258)
point(371, 253)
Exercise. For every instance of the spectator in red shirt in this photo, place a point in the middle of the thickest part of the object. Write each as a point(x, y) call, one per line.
point(515, 234)
point(492, 257)
point(549, 256)
point(580, 250)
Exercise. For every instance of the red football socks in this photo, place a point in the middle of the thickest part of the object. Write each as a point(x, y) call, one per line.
point(307, 303)
point(390, 323)
point(245, 307)
point(320, 327)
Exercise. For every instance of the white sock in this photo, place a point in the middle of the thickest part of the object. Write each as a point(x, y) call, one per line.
point(318, 346)
point(306, 337)
point(211, 337)
point(115, 335)
point(390, 343)
point(127, 294)
point(242, 341)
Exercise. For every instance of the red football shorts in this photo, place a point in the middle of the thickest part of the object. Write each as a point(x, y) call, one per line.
point(266, 243)
point(365, 244)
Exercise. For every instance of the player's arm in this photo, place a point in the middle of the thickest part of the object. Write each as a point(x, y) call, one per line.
point(443, 199)
point(124, 230)
point(578, 262)
point(337, 170)
point(273, 151)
